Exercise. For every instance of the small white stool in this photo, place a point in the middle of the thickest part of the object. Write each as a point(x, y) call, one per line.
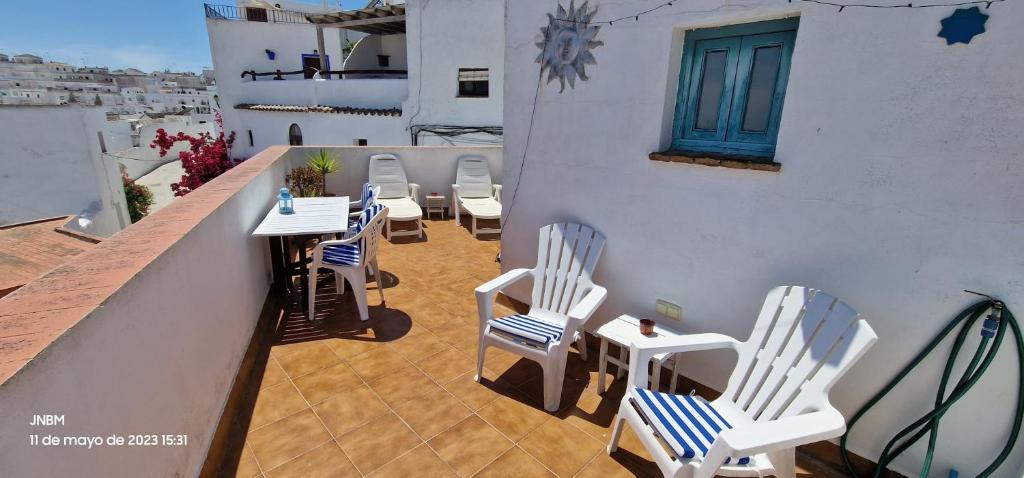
point(435, 203)
point(622, 331)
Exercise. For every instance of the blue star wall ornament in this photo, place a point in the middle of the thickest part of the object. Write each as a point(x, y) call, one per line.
point(963, 25)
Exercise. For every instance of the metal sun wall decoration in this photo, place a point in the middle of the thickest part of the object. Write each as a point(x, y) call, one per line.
point(568, 40)
point(963, 25)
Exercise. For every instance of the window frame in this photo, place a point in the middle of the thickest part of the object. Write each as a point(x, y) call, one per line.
point(741, 41)
point(459, 93)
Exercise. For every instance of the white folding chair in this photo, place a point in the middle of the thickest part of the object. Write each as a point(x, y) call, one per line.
point(350, 259)
point(563, 300)
point(396, 193)
point(804, 340)
point(474, 193)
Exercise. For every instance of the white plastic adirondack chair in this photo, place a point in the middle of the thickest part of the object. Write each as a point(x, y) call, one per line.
point(474, 192)
point(396, 193)
point(350, 259)
point(777, 397)
point(563, 300)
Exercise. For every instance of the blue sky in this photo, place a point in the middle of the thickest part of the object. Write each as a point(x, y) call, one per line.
point(149, 34)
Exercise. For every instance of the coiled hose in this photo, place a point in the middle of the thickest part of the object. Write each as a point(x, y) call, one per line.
point(992, 332)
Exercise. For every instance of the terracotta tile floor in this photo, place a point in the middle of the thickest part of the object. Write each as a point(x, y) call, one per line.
point(395, 396)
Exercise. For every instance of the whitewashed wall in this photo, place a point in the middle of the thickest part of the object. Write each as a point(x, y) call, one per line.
point(271, 128)
point(364, 55)
point(900, 187)
point(161, 354)
point(445, 35)
point(50, 165)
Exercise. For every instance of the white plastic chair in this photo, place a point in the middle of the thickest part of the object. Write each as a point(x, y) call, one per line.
point(777, 397)
point(350, 259)
point(563, 300)
point(367, 198)
point(396, 193)
point(474, 192)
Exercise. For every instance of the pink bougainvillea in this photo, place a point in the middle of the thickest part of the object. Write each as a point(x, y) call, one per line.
point(206, 157)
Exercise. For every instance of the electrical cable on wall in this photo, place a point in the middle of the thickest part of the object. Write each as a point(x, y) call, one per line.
point(842, 6)
point(452, 131)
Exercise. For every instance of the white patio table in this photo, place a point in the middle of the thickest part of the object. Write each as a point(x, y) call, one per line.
point(313, 217)
point(622, 331)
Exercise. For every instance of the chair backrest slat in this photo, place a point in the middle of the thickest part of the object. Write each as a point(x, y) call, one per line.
point(368, 195)
point(369, 230)
point(387, 173)
point(799, 333)
point(567, 254)
point(474, 177)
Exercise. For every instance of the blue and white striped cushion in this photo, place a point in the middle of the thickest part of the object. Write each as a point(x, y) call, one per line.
point(367, 198)
point(341, 254)
point(367, 215)
point(531, 329)
point(687, 424)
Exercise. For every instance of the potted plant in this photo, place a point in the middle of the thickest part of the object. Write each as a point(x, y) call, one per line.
point(304, 181)
point(323, 163)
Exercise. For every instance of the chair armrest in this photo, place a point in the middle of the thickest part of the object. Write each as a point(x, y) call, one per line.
point(586, 307)
point(455, 192)
point(414, 192)
point(357, 203)
point(355, 215)
point(486, 292)
point(643, 349)
point(788, 432)
point(497, 192)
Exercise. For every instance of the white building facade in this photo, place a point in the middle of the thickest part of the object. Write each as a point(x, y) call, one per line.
point(401, 80)
point(899, 187)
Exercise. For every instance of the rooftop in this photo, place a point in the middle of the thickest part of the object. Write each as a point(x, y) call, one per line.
point(31, 249)
point(395, 396)
point(171, 324)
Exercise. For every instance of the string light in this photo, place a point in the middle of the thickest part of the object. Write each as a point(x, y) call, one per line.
point(840, 6)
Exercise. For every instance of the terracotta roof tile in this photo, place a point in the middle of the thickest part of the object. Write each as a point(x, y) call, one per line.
point(348, 110)
point(31, 249)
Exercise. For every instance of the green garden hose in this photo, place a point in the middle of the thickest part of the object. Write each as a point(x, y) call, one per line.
point(992, 332)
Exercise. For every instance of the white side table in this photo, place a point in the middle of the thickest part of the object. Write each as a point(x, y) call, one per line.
point(622, 331)
point(435, 203)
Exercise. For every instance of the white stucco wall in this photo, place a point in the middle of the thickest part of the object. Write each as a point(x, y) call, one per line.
point(364, 54)
point(443, 37)
point(51, 165)
point(159, 356)
point(900, 187)
point(383, 93)
point(271, 128)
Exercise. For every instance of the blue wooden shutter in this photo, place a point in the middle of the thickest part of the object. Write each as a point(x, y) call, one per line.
point(714, 65)
point(755, 114)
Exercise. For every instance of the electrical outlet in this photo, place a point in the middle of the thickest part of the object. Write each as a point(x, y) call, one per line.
point(668, 309)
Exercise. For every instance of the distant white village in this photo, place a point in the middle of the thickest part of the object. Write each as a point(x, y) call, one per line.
point(27, 79)
point(84, 127)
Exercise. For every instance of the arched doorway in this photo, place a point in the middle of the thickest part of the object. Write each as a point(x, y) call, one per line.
point(294, 135)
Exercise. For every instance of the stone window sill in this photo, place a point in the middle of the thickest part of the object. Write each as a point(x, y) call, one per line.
point(735, 161)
